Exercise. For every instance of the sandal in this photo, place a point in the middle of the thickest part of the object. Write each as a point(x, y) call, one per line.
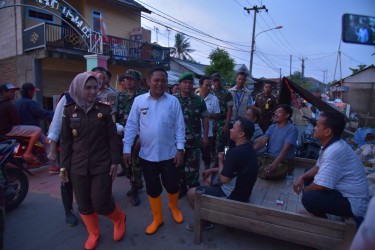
point(205, 227)
point(30, 159)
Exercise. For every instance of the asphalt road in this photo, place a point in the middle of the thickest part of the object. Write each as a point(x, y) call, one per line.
point(39, 223)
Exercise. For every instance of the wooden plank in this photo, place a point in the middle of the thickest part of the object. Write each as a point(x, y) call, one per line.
point(304, 162)
point(272, 230)
point(260, 190)
point(279, 221)
point(349, 233)
point(197, 217)
point(263, 210)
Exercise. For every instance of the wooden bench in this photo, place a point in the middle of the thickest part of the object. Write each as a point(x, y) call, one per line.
point(264, 216)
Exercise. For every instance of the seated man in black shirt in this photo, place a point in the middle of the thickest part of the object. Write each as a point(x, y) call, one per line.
point(237, 173)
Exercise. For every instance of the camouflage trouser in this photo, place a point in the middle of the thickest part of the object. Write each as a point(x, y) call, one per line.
point(134, 171)
point(189, 172)
point(281, 171)
point(221, 138)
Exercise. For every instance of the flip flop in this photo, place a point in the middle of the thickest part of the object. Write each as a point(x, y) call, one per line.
point(208, 226)
point(30, 158)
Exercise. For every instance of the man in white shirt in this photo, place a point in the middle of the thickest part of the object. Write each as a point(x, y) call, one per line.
point(337, 184)
point(213, 109)
point(158, 117)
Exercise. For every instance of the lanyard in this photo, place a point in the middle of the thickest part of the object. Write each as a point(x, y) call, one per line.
point(239, 101)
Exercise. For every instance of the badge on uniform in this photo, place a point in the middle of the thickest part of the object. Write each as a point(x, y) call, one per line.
point(74, 132)
point(144, 111)
point(74, 115)
point(100, 115)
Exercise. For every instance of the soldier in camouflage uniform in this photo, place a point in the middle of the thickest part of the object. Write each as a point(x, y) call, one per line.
point(194, 111)
point(267, 103)
point(124, 104)
point(221, 126)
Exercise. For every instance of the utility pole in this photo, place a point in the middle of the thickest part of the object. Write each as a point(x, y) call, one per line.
point(290, 68)
point(169, 31)
point(303, 67)
point(156, 32)
point(256, 10)
point(324, 76)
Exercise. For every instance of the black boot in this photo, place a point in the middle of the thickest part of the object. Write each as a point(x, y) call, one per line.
point(183, 191)
point(134, 198)
point(67, 199)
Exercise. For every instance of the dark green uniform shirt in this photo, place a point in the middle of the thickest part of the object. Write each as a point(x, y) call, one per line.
point(193, 110)
point(89, 142)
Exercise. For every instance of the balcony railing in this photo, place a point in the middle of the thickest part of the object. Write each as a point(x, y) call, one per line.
point(65, 39)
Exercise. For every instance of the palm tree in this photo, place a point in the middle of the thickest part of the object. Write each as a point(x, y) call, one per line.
point(182, 48)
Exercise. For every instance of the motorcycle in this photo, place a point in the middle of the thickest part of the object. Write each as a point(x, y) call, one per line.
point(38, 151)
point(310, 146)
point(13, 180)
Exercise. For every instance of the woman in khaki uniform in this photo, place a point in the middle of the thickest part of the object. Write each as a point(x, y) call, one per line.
point(90, 153)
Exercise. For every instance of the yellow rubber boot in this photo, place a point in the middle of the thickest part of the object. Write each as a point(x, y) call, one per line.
point(119, 227)
point(155, 204)
point(172, 204)
point(92, 225)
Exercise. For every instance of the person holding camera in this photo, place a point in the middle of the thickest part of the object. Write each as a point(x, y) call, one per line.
point(237, 172)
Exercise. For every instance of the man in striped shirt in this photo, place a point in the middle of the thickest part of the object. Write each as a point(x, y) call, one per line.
point(337, 184)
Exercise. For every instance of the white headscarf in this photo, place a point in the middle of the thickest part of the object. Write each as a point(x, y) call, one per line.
point(76, 90)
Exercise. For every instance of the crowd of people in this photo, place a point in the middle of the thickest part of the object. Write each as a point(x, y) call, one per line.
point(159, 136)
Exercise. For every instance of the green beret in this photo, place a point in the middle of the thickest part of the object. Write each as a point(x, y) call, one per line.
point(133, 74)
point(186, 76)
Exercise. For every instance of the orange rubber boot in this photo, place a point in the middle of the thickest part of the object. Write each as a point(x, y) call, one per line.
point(119, 227)
point(172, 204)
point(155, 204)
point(92, 225)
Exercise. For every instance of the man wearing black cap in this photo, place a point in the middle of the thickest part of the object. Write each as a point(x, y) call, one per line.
point(194, 110)
point(28, 109)
point(221, 126)
point(125, 101)
point(9, 122)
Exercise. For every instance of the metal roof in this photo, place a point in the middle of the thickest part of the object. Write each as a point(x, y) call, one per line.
point(132, 4)
point(196, 68)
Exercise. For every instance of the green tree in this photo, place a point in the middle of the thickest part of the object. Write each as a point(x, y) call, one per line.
point(221, 62)
point(182, 48)
point(360, 68)
point(296, 77)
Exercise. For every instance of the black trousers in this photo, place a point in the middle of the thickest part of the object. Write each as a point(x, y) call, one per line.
point(164, 170)
point(93, 193)
point(320, 203)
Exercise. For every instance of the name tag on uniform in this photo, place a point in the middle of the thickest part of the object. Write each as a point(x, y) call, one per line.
point(144, 110)
point(75, 119)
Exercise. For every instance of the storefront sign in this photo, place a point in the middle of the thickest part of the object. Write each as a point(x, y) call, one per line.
point(340, 88)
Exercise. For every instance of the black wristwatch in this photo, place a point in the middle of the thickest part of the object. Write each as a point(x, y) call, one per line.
point(181, 150)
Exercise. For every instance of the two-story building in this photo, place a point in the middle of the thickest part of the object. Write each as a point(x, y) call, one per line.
point(47, 42)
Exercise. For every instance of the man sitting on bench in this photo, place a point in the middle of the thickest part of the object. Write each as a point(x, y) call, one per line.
point(237, 172)
point(281, 139)
point(337, 184)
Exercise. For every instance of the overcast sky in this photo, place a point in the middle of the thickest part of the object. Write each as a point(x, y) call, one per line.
point(311, 30)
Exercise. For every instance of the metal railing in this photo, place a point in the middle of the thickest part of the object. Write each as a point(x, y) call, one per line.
point(62, 38)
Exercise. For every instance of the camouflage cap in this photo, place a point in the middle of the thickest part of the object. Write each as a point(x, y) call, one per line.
point(186, 76)
point(133, 74)
point(216, 76)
